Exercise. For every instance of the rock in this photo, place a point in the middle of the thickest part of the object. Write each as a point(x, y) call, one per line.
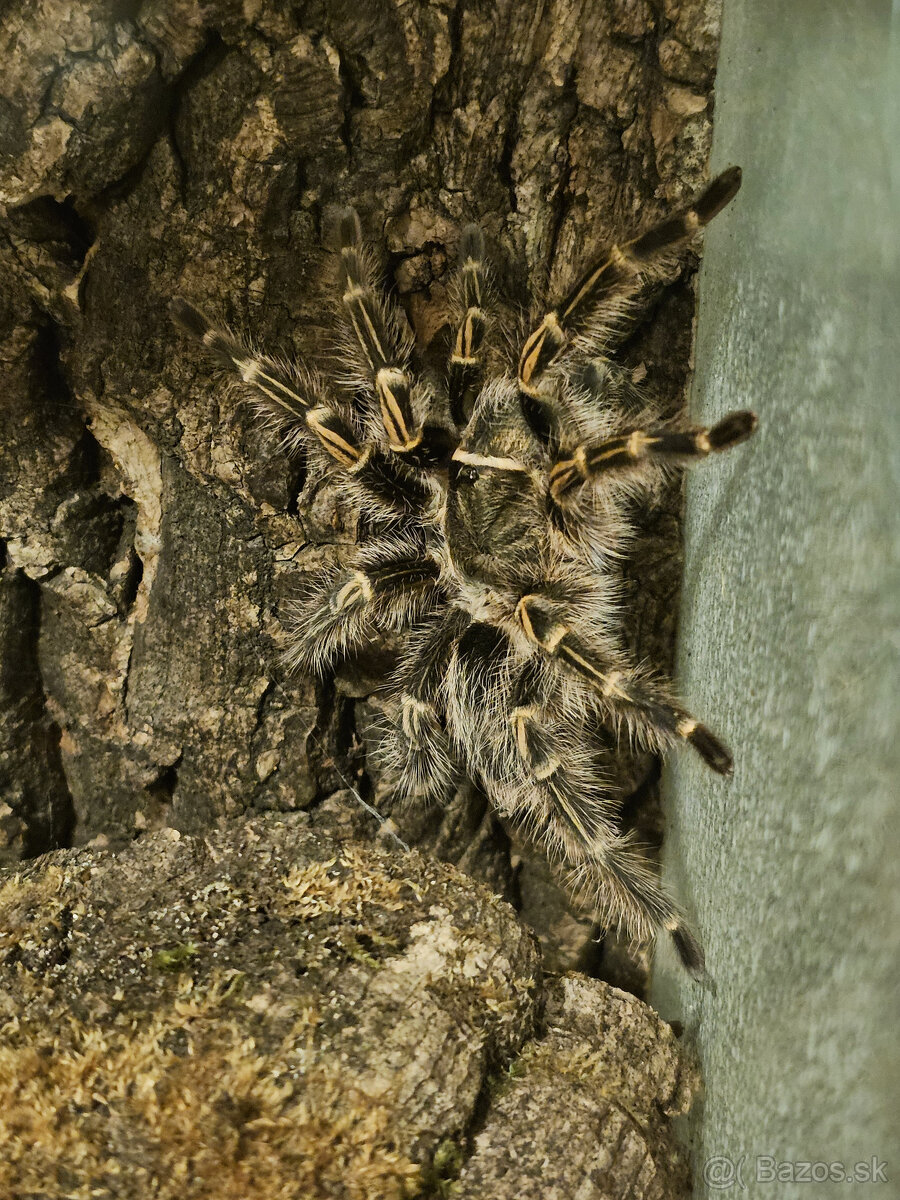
point(292, 1006)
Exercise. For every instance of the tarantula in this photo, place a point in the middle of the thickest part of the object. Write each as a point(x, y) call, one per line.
point(498, 507)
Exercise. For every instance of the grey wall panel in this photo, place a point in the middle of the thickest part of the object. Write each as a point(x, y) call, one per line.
point(789, 630)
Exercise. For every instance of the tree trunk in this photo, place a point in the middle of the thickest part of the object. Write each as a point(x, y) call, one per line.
point(151, 533)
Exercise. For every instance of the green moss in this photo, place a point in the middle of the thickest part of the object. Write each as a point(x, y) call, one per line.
point(441, 1178)
point(176, 957)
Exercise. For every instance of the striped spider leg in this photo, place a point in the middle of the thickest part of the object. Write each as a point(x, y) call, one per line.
point(608, 295)
point(516, 729)
point(471, 296)
point(295, 402)
point(390, 583)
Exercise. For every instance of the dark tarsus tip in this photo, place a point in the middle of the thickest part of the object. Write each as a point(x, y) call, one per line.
point(349, 228)
point(713, 752)
point(720, 192)
point(689, 951)
point(734, 428)
point(471, 244)
point(188, 318)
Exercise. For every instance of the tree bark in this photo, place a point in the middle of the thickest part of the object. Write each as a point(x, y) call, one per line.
point(151, 536)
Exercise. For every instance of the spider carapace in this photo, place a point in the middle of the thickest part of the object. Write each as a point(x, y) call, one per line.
point(498, 497)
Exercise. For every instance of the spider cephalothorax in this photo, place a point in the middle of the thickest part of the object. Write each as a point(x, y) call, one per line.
point(499, 507)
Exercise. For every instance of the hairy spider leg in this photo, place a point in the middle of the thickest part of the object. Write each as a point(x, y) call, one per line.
point(551, 788)
point(636, 448)
point(619, 882)
point(477, 685)
point(470, 298)
point(283, 394)
point(560, 767)
point(415, 746)
point(389, 588)
point(613, 277)
point(628, 698)
point(526, 762)
point(577, 822)
point(293, 402)
point(385, 346)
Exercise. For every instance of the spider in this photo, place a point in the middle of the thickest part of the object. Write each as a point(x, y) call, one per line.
point(497, 497)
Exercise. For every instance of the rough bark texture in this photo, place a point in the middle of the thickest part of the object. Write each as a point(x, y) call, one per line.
point(285, 1008)
point(149, 535)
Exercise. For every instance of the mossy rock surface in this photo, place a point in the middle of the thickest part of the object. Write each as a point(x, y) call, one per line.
point(291, 1007)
